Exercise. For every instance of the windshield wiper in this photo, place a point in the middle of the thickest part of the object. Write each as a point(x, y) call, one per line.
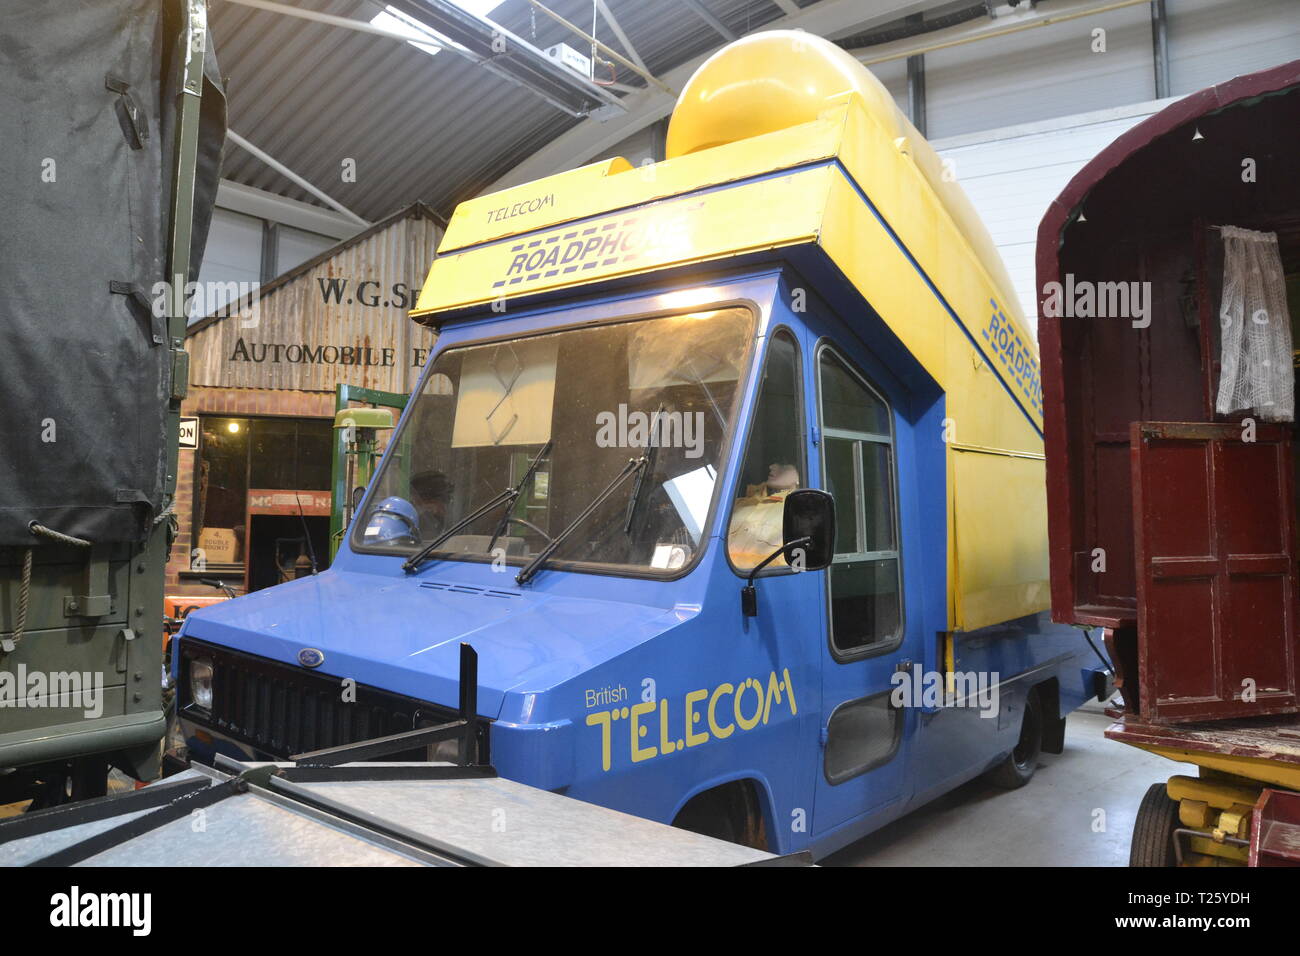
point(633, 466)
point(509, 495)
point(651, 455)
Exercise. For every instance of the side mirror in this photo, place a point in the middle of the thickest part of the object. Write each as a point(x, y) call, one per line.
point(807, 536)
point(808, 526)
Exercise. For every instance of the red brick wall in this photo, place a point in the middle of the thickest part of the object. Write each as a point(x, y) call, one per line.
point(227, 401)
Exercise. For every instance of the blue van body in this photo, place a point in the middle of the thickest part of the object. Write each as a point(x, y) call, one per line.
point(642, 693)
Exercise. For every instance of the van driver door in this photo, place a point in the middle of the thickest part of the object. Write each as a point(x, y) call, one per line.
point(863, 741)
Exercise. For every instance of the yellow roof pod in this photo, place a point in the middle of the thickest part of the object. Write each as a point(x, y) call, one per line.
point(795, 105)
point(737, 95)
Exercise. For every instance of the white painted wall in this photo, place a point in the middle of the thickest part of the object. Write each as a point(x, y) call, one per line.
point(233, 254)
point(1020, 115)
point(1011, 175)
point(234, 248)
point(1041, 73)
point(1213, 40)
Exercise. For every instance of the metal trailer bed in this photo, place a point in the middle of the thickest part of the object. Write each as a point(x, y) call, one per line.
point(344, 806)
point(373, 814)
point(1231, 756)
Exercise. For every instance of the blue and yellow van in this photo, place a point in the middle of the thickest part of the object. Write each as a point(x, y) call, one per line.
point(637, 374)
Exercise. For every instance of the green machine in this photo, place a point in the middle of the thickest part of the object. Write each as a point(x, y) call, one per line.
point(119, 104)
point(356, 450)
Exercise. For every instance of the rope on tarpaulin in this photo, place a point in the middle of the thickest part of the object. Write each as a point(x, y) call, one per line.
point(57, 536)
point(11, 642)
point(169, 515)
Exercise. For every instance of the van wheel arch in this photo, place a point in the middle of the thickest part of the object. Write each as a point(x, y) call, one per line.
point(734, 811)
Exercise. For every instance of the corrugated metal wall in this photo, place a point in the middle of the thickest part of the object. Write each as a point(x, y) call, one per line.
point(1040, 74)
point(341, 319)
point(1210, 41)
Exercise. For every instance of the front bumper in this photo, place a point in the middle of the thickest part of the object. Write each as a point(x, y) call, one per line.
point(65, 741)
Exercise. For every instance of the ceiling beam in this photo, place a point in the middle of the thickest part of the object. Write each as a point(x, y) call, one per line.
point(309, 217)
point(293, 177)
point(327, 18)
point(973, 31)
point(702, 12)
point(578, 31)
point(517, 60)
point(592, 137)
point(617, 30)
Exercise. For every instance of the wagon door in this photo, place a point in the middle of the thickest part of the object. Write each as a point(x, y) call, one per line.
point(1214, 522)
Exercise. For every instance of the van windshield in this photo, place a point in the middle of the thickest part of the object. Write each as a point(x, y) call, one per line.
point(580, 403)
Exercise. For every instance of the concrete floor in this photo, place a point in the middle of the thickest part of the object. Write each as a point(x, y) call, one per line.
point(1048, 822)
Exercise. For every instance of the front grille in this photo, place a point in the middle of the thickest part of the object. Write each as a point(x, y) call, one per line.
point(283, 710)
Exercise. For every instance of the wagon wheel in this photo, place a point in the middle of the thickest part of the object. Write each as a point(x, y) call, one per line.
point(1153, 829)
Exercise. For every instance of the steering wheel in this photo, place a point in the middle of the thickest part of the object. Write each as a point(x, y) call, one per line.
point(530, 526)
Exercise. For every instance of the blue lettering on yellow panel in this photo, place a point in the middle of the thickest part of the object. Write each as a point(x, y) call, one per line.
point(602, 244)
point(1015, 357)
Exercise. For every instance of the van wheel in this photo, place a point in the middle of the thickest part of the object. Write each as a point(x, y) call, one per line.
point(730, 812)
point(1153, 829)
point(1020, 764)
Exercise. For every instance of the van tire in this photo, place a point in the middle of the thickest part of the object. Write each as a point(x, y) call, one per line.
point(1019, 765)
point(1153, 829)
point(730, 812)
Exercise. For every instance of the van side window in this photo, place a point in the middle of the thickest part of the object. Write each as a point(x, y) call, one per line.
point(858, 462)
point(774, 461)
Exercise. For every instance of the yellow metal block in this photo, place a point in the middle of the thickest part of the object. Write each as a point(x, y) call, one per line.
point(1195, 814)
point(1269, 772)
point(1219, 794)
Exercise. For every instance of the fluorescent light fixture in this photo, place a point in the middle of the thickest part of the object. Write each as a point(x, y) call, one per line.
point(392, 19)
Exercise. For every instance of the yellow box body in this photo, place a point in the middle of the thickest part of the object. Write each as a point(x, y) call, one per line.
point(803, 187)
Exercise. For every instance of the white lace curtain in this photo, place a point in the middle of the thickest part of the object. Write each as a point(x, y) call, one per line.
point(1256, 374)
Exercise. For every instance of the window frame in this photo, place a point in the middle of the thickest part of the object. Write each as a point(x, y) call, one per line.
point(199, 449)
point(757, 317)
point(743, 448)
point(896, 738)
point(841, 655)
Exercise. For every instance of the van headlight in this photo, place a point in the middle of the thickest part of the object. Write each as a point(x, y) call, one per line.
point(201, 683)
